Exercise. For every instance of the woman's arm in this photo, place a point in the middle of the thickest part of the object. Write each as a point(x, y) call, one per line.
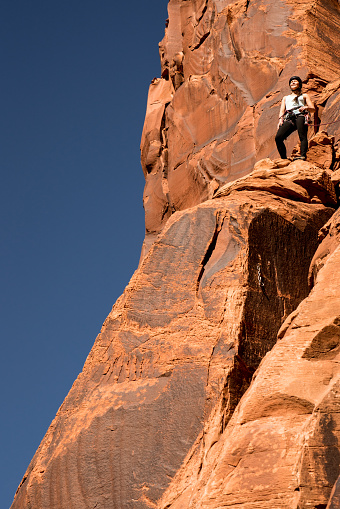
point(309, 105)
point(282, 111)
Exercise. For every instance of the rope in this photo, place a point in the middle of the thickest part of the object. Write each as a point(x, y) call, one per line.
point(324, 123)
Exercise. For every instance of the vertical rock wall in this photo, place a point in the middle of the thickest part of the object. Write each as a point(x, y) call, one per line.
point(167, 411)
point(225, 69)
point(281, 447)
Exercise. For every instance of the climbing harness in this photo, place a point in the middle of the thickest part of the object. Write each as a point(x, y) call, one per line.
point(291, 116)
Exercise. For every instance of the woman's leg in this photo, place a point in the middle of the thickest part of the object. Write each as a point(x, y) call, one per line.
point(283, 132)
point(302, 128)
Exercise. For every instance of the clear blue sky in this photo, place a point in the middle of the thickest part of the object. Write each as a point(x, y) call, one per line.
point(74, 82)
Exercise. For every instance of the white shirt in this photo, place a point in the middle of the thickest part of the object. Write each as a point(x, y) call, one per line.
point(294, 103)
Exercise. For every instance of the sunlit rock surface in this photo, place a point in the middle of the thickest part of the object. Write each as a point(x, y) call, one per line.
point(218, 119)
point(214, 381)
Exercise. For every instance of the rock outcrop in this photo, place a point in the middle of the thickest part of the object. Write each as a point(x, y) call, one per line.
point(214, 381)
point(281, 446)
point(176, 353)
point(213, 124)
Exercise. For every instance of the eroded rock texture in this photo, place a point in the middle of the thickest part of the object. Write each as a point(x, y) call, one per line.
point(214, 381)
point(280, 449)
point(225, 69)
point(177, 345)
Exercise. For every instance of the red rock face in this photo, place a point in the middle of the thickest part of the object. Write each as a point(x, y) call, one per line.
point(225, 69)
point(214, 380)
point(280, 448)
point(176, 350)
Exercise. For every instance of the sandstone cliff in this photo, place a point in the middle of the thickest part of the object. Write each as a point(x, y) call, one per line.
point(214, 381)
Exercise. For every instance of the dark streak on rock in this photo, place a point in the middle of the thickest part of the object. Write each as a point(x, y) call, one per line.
point(201, 41)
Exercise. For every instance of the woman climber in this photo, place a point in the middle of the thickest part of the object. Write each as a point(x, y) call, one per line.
point(294, 116)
